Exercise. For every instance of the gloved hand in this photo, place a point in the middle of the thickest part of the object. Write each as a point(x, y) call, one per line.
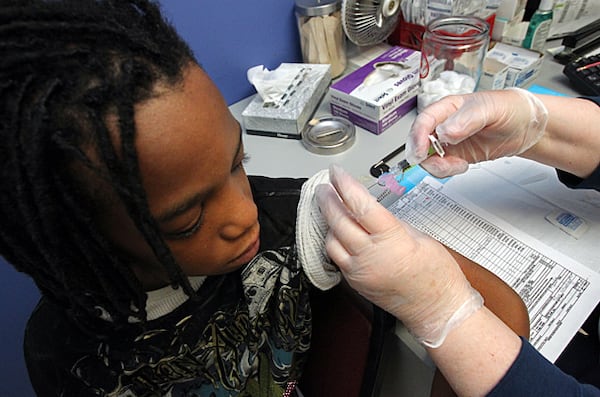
point(476, 127)
point(396, 267)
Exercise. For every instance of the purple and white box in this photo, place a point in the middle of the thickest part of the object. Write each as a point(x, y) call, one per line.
point(379, 93)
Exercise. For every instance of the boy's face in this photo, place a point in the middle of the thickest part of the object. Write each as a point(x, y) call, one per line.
point(190, 155)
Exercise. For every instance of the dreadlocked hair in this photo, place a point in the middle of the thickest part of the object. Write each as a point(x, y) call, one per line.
point(66, 67)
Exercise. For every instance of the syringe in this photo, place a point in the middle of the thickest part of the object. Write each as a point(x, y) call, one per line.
point(394, 175)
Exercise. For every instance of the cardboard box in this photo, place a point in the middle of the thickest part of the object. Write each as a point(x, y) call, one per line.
point(493, 75)
point(379, 93)
point(289, 116)
point(523, 65)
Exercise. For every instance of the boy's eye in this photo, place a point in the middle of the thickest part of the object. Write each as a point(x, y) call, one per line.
point(188, 232)
point(240, 164)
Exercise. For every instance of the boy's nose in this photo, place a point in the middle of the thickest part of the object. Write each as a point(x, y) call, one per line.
point(241, 216)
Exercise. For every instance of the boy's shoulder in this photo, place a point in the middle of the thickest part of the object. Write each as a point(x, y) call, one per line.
point(263, 185)
point(277, 202)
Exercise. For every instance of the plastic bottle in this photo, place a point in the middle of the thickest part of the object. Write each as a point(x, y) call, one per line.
point(539, 26)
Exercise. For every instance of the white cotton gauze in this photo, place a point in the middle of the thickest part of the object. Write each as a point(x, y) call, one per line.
point(448, 83)
point(432, 87)
point(452, 80)
point(311, 229)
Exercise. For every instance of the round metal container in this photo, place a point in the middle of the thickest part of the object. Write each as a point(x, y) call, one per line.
point(329, 135)
point(317, 7)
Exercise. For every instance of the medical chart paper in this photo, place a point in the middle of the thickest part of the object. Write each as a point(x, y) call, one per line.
point(523, 192)
point(559, 291)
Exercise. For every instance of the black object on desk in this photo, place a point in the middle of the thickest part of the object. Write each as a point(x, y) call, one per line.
point(381, 167)
point(580, 42)
point(584, 74)
point(582, 36)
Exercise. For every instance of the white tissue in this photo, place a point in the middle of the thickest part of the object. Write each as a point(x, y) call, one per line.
point(272, 85)
point(449, 83)
point(288, 96)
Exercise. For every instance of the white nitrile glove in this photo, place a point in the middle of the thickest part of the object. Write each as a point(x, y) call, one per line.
point(398, 268)
point(476, 127)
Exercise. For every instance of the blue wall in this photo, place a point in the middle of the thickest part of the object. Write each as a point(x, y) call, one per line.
point(18, 296)
point(227, 37)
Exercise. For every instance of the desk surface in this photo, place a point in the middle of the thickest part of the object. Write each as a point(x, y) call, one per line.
point(278, 157)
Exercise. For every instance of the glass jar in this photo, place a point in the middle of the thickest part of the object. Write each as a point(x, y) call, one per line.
point(452, 55)
point(322, 38)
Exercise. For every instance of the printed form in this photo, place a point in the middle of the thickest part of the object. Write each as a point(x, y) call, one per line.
point(558, 290)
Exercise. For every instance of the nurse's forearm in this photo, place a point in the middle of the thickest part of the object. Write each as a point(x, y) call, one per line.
point(477, 354)
point(572, 140)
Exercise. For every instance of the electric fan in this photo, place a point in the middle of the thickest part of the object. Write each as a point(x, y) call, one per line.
point(368, 22)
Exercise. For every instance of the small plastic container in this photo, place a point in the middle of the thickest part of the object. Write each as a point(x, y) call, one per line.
point(322, 37)
point(452, 55)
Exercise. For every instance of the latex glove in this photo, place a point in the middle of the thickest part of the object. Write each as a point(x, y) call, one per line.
point(398, 268)
point(476, 127)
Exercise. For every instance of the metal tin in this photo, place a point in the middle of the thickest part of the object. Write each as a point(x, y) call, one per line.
point(312, 8)
point(329, 135)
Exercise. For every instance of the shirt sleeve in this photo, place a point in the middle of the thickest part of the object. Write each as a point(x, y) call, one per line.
point(574, 182)
point(532, 375)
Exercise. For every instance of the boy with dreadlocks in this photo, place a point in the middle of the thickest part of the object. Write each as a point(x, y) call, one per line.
point(122, 173)
point(123, 195)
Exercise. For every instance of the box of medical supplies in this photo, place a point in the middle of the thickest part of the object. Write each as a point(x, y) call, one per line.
point(493, 75)
point(379, 93)
point(295, 90)
point(523, 65)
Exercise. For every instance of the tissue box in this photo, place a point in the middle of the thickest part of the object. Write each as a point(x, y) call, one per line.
point(523, 65)
point(288, 118)
point(379, 93)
